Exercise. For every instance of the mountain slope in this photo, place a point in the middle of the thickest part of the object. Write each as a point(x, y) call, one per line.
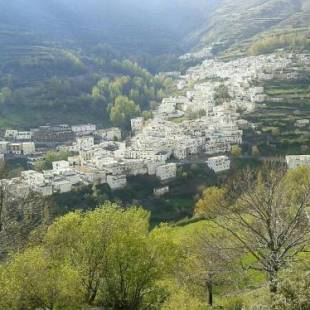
point(231, 22)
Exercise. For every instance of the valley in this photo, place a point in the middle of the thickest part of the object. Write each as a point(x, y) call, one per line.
point(154, 155)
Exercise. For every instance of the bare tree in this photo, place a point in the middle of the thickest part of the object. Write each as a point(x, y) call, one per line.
point(269, 218)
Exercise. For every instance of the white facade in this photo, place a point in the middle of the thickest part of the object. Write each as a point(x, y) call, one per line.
point(110, 134)
point(23, 135)
point(302, 123)
point(84, 129)
point(61, 166)
point(137, 124)
point(62, 186)
point(294, 161)
point(3, 147)
point(85, 142)
point(10, 134)
point(219, 163)
point(158, 192)
point(28, 148)
point(116, 181)
point(166, 172)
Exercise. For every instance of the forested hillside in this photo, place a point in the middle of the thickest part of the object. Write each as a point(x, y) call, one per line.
point(52, 55)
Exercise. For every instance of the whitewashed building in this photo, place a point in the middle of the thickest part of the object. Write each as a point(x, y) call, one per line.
point(84, 129)
point(137, 124)
point(116, 181)
point(85, 142)
point(110, 134)
point(294, 161)
point(61, 166)
point(219, 163)
point(158, 192)
point(3, 147)
point(166, 172)
point(302, 123)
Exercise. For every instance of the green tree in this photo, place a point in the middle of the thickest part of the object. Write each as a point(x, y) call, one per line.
point(31, 281)
point(212, 200)
point(46, 162)
point(236, 150)
point(211, 261)
point(119, 262)
point(123, 110)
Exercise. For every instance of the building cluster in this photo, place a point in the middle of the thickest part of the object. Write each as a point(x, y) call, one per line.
point(240, 76)
point(195, 123)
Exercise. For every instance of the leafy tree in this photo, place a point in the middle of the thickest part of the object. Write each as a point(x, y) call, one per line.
point(212, 200)
point(221, 94)
point(46, 162)
point(123, 110)
point(31, 281)
point(236, 150)
point(211, 261)
point(119, 262)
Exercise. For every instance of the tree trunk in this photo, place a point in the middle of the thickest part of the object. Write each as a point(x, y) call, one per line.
point(273, 282)
point(210, 292)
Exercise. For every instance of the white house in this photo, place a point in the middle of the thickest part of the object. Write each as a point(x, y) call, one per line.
point(85, 142)
point(116, 181)
point(137, 124)
point(294, 161)
point(28, 148)
point(3, 147)
point(10, 134)
point(166, 172)
point(61, 166)
point(84, 129)
point(219, 163)
point(110, 134)
point(24, 135)
point(302, 123)
point(62, 186)
point(158, 192)
point(33, 178)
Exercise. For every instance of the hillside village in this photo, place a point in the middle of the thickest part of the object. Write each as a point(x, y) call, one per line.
point(205, 118)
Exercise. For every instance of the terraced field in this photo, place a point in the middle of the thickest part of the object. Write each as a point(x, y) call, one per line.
point(287, 102)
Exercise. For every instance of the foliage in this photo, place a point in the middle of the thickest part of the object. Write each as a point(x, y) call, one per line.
point(233, 303)
point(294, 292)
point(182, 300)
point(49, 157)
point(31, 280)
point(212, 200)
point(211, 261)
point(269, 43)
point(106, 258)
point(123, 110)
point(137, 85)
point(236, 150)
point(221, 94)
